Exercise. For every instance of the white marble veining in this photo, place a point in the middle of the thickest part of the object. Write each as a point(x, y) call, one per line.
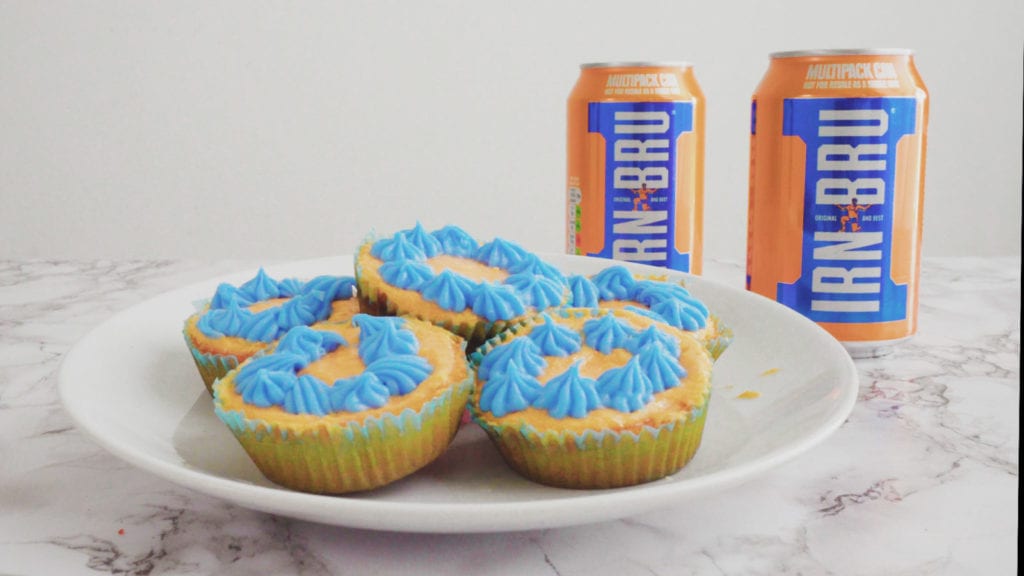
point(922, 478)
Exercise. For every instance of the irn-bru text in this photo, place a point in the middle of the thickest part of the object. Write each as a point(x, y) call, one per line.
point(640, 147)
point(847, 252)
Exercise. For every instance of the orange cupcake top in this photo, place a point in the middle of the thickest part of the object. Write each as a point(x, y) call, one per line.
point(447, 277)
point(584, 369)
point(240, 321)
point(348, 372)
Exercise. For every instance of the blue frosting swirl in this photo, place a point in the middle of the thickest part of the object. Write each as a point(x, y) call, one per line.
point(307, 303)
point(309, 344)
point(660, 366)
point(277, 362)
point(358, 393)
point(644, 312)
point(673, 303)
point(398, 247)
point(267, 388)
point(302, 311)
point(606, 333)
point(423, 240)
point(496, 302)
point(450, 291)
point(614, 283)
point(648, 292)
point(538, 291)
point(370, 325)
point(456, 241)
point(533, 265)
point(402, 373)
point(652, 368)
point(263, 328)
point(569, 394)
point(225, 321)
point(226, 293)
point(652, 335)
point(680, 314)
point(520, 351)
point(290, 287)
point(387, 349)
point(582, 292)
point(501, 253)
point(511, 390)
point(553, 339)
point(261, 287)
point(389, 339)
point(531, 282)
point(406, 274)
point(626, 388)
point(308, 396)
point(331, 287)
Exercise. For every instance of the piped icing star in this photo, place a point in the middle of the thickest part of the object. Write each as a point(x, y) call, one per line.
point(614, 283)
point(386, 347)
point(501, 253)
point(307, 303)
point(406, 274)
point(496, 302)
point(583, 292)
point(606, 333)
point(449, 290)
point(527, 283)
point(651, 355)
point(522, 351)
point(569, 395)
point(627, 388)
point(511, 390)
point(553, 339)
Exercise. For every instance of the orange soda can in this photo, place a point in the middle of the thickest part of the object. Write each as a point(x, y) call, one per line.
point(635, 188)
point(837, 157)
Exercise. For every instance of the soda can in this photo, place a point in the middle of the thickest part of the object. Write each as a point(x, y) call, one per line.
point(635, 188)
point(837, 160)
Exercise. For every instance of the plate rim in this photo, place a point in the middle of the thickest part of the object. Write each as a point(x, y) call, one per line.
point(470, 517)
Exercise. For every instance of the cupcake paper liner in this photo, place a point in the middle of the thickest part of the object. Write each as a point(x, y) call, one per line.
point(333, 458)
point(599, 459)
point(716, 345)
point(211, 366)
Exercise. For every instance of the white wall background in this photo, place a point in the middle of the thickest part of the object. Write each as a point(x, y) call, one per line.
point(290, 129)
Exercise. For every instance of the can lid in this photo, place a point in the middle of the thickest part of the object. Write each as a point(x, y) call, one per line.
point(844, 52)
point(638, 64)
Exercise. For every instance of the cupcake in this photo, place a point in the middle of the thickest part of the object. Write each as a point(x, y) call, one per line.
point(240, 322)
point(344, 407)
point(446, 277)
point(657, 297)
point(593, 398)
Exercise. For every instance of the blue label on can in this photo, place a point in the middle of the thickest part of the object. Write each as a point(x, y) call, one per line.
point(848, 207)
point(640, 178)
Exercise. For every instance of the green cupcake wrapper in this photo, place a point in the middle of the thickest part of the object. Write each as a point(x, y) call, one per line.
point(598, 458)
point(331, 458)
point(211, 366)
point(716, 345)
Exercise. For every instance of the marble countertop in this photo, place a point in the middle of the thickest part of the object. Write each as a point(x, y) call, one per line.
point(921, 479)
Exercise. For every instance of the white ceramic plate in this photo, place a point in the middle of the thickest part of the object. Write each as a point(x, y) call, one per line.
point(132, 385)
